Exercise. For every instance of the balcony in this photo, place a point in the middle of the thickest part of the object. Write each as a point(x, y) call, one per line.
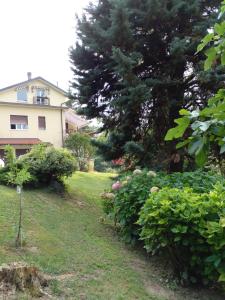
point(38, 100)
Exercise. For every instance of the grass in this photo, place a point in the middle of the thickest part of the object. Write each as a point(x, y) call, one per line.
point(67, 238)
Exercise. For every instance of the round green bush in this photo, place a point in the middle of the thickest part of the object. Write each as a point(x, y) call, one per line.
point(47, 164)
point(128, 201)
point(190, 229)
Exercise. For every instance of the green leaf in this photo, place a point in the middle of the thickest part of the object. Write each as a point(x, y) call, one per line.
point(222, 277)
point(201, 158)
point(223, 58)
point(195, 146)
point(182, 144)
point(211, 57)
point(222, 222)
point(220, 28)
point(184, 112)
point(178, 131)
point(208, 38)
point(175, 230)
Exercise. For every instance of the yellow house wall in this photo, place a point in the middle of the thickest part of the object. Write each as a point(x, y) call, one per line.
point(52, 134)
point(10, 95)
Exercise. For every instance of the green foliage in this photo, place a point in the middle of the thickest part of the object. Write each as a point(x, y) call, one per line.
point(190, 228)
point(10, 157)
point(207, 130)
point(101, 165)
point(12, 173)
point(127, 204)
point(4, 176)
point(200, 181)
point(81, 147)
point(18, 177)
point(128, 201)
point(135, 75)
point(42, 166)
point(47, 164)
point(215, 42)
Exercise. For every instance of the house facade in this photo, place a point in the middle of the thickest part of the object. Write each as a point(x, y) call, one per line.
point(34, 111)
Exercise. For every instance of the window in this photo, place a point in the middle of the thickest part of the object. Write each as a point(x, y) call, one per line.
point(22, 95)
point(41, 97)
point(41, 123)
point(40, 93)
point(18, 122)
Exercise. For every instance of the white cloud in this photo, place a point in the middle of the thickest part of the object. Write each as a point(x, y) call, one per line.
point(35, 37)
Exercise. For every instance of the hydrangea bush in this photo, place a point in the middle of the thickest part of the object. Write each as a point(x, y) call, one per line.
point(131, 192)
point(190, 229)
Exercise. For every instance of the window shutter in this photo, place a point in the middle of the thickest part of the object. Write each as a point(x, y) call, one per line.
point(41, 123)
point(14, 119)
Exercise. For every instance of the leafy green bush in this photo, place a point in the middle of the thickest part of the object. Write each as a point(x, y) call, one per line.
point(127, 204)
point(47, 164)
point(190, 228)
point(3, 175)
point(80, 145)
point(100, 165)
point(200, 181)
point(129, 199)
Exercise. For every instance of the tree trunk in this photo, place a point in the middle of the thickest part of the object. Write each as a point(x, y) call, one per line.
point(19, 233)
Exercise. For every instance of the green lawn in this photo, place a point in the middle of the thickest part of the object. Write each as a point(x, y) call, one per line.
point(67, 238)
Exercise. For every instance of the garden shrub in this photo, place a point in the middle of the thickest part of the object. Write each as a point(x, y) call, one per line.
point(48, 165)
point(200, 181)
point(127, 204)
point(190, 228)
point(79, 143)
point(3, 175)
point(130, 198)
point(100, 165)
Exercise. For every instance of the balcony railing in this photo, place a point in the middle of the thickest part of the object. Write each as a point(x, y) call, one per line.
point(41, 100)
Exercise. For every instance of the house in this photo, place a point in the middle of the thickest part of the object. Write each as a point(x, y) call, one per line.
point(35, 111)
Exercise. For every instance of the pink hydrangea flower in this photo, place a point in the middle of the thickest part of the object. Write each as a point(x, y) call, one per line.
point(116, 186)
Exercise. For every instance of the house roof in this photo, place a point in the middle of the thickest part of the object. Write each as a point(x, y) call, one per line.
point(21, 141)
point(33, 79)
point(76, 120)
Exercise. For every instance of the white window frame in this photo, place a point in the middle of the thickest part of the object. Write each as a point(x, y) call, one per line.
point(19, 126)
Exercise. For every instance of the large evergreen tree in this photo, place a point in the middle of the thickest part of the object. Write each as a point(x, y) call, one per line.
point(135, 67)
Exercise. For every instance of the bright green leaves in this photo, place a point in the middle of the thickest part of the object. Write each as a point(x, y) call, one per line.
point(178, 131)
point(211, 58)
point(194, 231)
point(207, 39)
point(206, 127)
point(198, 145)
point(222, 278)
point(220, 28)
point(215, 41)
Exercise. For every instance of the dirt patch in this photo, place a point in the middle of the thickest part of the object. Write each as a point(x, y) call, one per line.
point(32, 249)
point(60, 277)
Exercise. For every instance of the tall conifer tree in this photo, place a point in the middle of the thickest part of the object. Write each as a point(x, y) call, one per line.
point(135, 67)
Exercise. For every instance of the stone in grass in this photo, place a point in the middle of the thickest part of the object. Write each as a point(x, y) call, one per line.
point(19, 276)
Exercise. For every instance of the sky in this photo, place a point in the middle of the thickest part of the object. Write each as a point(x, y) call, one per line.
point(35, 37)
